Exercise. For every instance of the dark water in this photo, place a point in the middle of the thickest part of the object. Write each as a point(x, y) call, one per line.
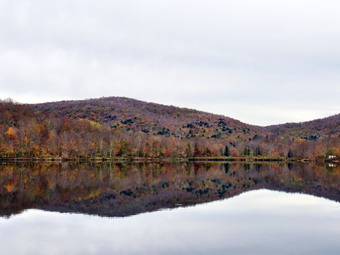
point(169, 209)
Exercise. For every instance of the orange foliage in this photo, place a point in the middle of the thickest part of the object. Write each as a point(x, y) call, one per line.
point(299, 140)
point(10, 186)
point(11, 134)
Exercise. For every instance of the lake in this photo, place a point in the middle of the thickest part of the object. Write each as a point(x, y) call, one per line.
point(169, 208)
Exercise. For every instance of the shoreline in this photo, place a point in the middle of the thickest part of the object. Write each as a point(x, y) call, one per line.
point(192, 159)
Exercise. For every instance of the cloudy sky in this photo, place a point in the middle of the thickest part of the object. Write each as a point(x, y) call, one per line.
point(263, 62)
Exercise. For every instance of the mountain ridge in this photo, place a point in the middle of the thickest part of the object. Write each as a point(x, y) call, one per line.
point(180, 107)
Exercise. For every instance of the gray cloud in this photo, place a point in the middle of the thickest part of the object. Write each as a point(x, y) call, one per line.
point(260, 61)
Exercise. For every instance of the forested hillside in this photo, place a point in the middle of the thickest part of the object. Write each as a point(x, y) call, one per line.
point(123, 127)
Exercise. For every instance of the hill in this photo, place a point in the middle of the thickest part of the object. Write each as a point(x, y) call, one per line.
point(311, 130)
point(123, 127)
point(155, 119)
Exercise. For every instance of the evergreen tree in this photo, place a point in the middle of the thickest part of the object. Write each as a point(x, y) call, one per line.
point(246, 151)
point(258, 151)
point(290, 154)
point(188, 150)
point(226, 151)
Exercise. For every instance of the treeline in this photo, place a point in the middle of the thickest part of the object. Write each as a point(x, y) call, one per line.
point(26, 132)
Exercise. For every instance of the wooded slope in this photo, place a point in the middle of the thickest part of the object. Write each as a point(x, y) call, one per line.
point(123, 127)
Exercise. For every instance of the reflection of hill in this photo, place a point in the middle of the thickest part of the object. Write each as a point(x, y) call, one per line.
point(122, 190)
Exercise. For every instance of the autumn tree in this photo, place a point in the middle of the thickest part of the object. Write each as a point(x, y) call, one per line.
point(197, 150)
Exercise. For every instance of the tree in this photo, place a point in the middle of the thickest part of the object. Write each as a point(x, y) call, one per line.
point(226, 151)
point(197, 151)
point(290, 154)
point(11, 134)
point(124, 149)
point(246, 151)
point(188, 150)
point(258, 151)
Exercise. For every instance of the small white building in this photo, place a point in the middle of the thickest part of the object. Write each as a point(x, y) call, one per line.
point(331, 156)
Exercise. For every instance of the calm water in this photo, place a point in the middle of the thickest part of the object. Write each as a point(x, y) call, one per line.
point(169, 209)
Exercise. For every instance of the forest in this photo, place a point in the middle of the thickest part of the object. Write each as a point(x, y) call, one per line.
point(116, 127)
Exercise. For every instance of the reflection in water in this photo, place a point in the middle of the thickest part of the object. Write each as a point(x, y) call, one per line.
point(253, 220)
point(128, 189)
point(257, 222)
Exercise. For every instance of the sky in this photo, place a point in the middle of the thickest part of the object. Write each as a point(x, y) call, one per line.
point(262, 62)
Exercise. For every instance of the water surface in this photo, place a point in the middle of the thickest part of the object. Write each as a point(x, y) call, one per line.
point(169, 209)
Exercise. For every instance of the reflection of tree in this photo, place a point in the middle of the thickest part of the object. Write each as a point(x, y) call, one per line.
point(126, 189)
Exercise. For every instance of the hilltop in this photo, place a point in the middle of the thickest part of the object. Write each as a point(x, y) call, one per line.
point(155, 119)
point(123, 127)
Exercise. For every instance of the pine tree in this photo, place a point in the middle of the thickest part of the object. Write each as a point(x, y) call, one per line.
point(290, 154)
point(226, 151)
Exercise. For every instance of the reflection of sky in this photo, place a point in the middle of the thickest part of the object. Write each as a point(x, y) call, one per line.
point(257, 222)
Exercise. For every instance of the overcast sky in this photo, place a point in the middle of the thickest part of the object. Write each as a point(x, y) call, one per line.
point(262, 62)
